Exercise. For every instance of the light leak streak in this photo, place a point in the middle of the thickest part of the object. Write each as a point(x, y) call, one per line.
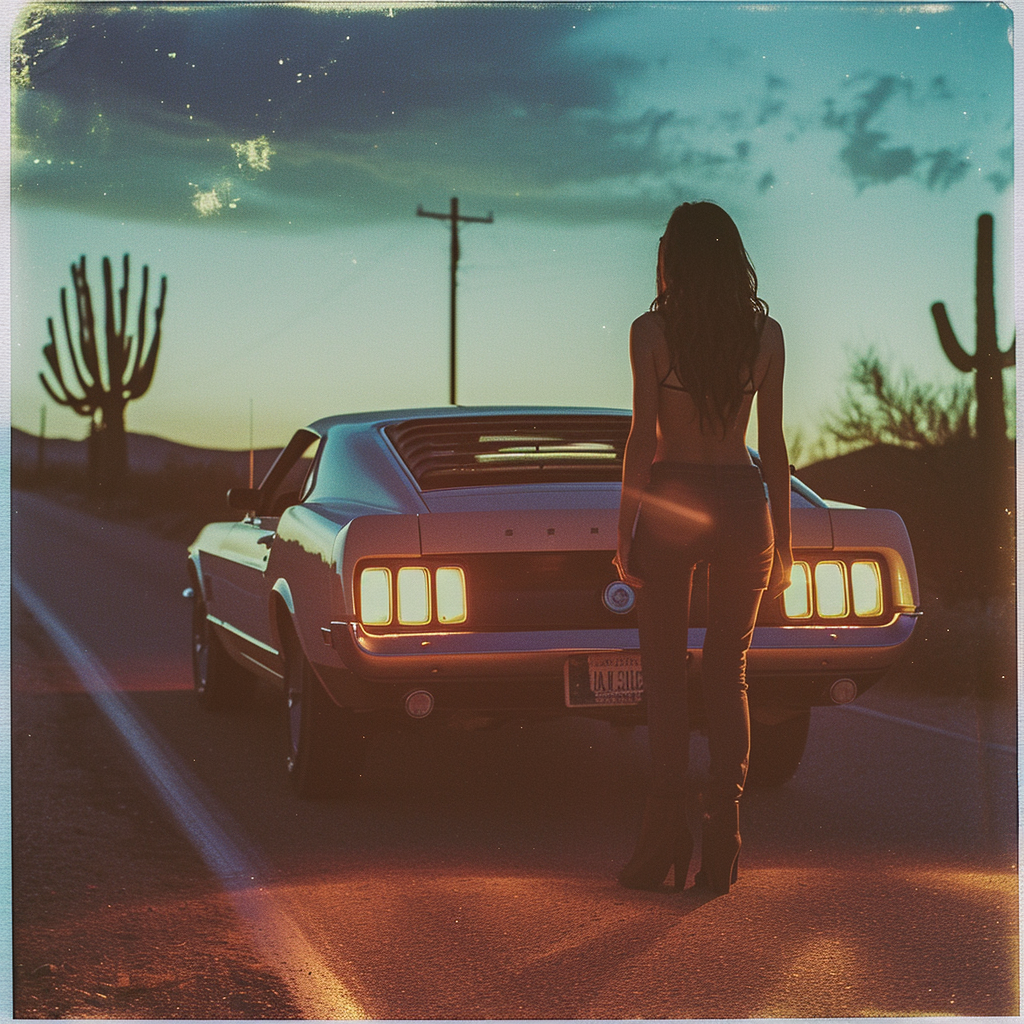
point(1000, 748)
point(319, 992)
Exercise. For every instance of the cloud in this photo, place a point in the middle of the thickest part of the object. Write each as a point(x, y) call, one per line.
point(773, 105)
point(256, 68)
point(356, 108)
point(870, 155)
point(308, 116)
point(868, 160)
point(945, 168)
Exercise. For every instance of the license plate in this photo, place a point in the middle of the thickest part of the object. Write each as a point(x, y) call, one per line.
point(603, 680)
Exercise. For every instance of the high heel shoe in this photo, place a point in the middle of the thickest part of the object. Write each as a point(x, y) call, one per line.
point(720, 849)
point(665, 842)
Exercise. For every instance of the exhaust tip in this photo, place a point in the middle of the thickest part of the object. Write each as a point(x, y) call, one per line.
point(843, 691)
point(419, 704)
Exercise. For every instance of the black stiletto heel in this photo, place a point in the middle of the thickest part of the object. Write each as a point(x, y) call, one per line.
point(665, 842)
point(720, 850)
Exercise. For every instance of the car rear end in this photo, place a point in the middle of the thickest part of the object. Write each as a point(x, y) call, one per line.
point(500, 597)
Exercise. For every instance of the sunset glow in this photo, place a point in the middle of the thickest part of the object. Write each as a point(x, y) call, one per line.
point(270, 159)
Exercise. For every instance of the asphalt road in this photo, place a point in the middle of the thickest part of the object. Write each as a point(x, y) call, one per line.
point(473, 876)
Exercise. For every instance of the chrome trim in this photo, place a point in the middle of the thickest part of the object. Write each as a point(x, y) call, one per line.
point(242, 635)
point(262, 666)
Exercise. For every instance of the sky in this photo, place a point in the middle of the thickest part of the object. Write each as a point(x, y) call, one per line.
point(269, 160)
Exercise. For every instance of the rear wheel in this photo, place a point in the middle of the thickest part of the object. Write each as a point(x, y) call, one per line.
point(776, 748)
point(220, 683)
point(326, 746)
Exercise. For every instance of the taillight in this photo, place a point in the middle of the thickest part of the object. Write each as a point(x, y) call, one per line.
point(834, 589)
point(830, 590)
point(797, 599)
point(412, 595)
point(866, 579)
point(450, 586)
point(375, 596)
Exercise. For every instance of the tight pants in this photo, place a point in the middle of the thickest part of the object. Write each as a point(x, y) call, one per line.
point(689, 514)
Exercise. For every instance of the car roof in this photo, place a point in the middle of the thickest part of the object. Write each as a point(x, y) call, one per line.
point(456, 470)
point(377, 419)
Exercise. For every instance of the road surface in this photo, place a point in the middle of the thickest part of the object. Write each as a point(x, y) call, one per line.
point(473, 876)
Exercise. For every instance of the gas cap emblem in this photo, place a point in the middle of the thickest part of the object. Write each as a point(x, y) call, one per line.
point(619, 597)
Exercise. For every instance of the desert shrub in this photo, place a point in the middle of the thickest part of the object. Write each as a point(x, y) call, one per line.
point(879, 408)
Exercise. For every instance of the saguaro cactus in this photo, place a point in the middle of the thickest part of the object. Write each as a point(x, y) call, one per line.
point(988, 362)
point(106, 380)
point(993, 464)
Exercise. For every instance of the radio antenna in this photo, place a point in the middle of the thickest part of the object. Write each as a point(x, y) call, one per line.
point(252, 455)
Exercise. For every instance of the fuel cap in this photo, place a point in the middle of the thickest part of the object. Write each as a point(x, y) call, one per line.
point(619, 597)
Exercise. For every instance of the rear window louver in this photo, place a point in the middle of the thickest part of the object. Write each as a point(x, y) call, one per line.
point(477, 451)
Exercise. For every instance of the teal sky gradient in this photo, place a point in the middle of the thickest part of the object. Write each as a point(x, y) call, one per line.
point(855, 145)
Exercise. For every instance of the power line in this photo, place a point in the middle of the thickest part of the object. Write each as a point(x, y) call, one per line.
point(455, 217)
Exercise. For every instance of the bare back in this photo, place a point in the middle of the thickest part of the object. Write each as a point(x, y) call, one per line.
point(680, 437)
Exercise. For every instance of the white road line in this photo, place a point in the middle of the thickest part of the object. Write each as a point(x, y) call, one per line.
point(871, 712)
point(320, 994)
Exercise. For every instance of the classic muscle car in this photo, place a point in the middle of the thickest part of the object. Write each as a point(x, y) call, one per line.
point(456, 564)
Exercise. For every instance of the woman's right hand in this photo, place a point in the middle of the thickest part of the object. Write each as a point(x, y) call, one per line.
point(621, 562)
point(781, 573)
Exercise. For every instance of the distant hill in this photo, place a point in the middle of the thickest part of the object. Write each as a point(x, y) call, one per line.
point(934, 490)
point(146, 454)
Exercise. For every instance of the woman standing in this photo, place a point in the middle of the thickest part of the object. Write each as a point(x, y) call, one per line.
point(690, 494)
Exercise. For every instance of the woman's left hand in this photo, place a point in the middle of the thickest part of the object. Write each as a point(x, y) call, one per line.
point(781, 574)
point(620, 561)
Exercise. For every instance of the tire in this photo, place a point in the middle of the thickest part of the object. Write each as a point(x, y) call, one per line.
point(326, 747)
point(776, 750)
point(220, 683)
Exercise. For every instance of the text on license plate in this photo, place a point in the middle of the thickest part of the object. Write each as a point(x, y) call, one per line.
point(603, 679)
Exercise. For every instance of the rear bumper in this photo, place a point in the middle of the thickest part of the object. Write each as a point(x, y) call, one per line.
point(786, 665)
point(463, 655)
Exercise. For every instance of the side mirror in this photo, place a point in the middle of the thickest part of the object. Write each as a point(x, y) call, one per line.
point(244, 499)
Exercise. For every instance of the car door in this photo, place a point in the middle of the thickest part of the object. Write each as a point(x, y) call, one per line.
point(245, 583)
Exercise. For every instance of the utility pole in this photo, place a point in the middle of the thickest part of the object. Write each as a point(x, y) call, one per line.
point(454, 216)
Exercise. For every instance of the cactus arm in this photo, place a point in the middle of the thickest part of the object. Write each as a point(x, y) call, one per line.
point(89, 388)
point(141, 381)
point(141, 332)
point(110, 324)
point(124, 340)
point(1009, 357)
point(139, 384)
point(77, 405)
point(80, 404)
point(954, 353)
point(50, 355)
point(115, 335)
point(86, 325)
point(60, 400)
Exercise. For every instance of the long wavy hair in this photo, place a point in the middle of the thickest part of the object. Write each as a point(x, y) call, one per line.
point(707, 296)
